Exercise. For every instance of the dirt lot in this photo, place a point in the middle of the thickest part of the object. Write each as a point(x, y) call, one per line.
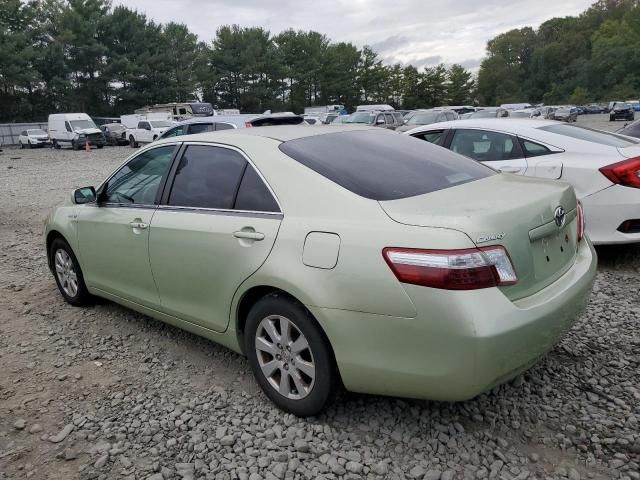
point(104, 392)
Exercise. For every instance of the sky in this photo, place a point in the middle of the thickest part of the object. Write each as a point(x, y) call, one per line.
point(417, 32)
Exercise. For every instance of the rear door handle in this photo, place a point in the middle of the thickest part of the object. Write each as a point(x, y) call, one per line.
point(256, 236)
point(140, 225)
point(509, 169)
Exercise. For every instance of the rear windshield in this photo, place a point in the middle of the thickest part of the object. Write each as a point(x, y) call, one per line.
point(383, 165)
point(283, 120)
point(423, 118)
point(590, 135)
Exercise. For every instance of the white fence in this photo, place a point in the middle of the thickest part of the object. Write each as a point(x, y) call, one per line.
point(9, 132)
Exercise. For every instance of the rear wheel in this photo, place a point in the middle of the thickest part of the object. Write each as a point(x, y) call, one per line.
point(67, 273)
point(289, 356)
point(132, 142)
point(100, 146)
point(21, 145)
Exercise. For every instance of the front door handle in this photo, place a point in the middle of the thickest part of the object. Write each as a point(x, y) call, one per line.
point(249, 235)
point(509, 169)
point(140, 225)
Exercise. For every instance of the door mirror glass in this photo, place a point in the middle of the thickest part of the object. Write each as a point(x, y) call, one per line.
point(84, 195)
point(380, 121)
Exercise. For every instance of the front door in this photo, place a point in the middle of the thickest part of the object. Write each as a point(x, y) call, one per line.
point(113, 234)
point(499, 150)
point(216, 227)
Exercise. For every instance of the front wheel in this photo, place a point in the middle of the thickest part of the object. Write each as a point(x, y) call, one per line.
point(132, 142)
point(99, 146)
point(21, 145)
point(289, 356)
point(67, 273)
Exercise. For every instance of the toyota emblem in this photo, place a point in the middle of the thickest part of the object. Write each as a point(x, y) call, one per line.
point(559, 216)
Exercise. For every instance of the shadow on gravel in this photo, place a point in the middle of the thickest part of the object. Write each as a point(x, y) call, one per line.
point(619, 256)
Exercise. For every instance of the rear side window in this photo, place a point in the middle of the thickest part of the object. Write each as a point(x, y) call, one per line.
point(174, 132)
point(253, 194)
point(590, 135)
point(383, 165)
point(434, 136)
point(207, 177)
point(200, 128)
point(223, 126)
point(485, 146)
point(532, 149)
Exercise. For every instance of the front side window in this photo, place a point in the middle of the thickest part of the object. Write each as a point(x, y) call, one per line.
point(174, 132)
point(137, 182)
point(485, 146)
point(207, 177)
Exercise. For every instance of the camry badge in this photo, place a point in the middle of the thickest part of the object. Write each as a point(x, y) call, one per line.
point(490, 238)
point(559, 216)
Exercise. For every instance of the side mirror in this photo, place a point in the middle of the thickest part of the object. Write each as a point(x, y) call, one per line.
point(84, 195)
point(380, 121)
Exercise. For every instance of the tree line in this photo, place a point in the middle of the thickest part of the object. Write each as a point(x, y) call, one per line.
point(594, 56)
point(84, 55)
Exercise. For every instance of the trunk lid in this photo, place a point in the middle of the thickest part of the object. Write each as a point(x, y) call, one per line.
point(630, 152)
point(515, 212)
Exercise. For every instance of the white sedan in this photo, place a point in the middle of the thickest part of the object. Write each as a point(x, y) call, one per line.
point(603, 167)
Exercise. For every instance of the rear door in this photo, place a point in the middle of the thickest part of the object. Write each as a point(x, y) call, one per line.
point(499, 150)
point(216, 226)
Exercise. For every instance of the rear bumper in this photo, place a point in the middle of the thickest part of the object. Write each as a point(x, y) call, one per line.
point(461, 343)
point(607, 209)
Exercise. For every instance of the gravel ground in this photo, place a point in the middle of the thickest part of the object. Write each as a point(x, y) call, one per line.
point(104, 392)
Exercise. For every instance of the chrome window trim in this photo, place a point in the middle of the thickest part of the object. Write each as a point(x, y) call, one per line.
point(249, 161)
point(221, 211)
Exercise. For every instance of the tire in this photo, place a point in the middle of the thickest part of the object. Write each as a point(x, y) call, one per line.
point(274, 311)
point(74, 145)
point(99, 146)
point(21, 145)
point(132, 142)
point(30, 144)
point(155, 137)
point(60, 254)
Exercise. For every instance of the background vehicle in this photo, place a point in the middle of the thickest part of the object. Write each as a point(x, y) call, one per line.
point(603, 167)
point(622, 111)
point(115, 133)
point(426, 117)
point(324, 109)
point(635, 104)
point(387, 119)
point(179, 111)
point(75, 130)
point(147, 131)
point(594, 109)
point(489, 112)
point(224, 122)
point(515, 106)
point(33, 137)
point(254, 239)
point(373, 108)
point(529, 113)
point(566, 114)
point(631, 130)
point(312, 119)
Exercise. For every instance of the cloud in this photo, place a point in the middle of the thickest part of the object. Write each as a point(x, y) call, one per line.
point(402, 31)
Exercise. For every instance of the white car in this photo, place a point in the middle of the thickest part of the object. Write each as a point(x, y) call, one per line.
point(603, 167)
point(33, 137)
point(148, 131)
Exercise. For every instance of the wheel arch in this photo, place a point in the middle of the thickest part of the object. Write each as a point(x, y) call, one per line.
point(253, 295)
point(51, 236)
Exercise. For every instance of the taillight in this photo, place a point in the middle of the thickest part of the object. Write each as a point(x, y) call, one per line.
point(626, 172)
point(467, 269)
point(581, 223)
point(247, 125)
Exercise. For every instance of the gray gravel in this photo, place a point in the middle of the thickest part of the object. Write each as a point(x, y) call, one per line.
point(104, 392)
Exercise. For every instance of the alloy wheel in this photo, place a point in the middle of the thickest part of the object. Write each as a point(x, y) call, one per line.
point(285, 357)
point(66, 273)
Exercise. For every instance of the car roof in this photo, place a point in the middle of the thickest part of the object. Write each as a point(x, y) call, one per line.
point(491, 123)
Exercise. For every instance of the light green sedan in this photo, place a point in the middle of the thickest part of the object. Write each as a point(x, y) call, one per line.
point(334, 255)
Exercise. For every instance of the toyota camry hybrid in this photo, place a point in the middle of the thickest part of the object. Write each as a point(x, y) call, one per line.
point(334, 256)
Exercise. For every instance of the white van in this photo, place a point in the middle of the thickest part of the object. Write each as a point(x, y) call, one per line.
point(74, 129)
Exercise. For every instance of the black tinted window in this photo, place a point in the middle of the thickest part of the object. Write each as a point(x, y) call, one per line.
point(174, 132)
point(435, 136)
point(383, 165)
point(207, 177)
point(253, 194)
point(200, 128)
point(223, 126)
point(485, 146)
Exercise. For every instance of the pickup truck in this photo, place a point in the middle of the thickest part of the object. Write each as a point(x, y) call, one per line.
point(147, 131)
